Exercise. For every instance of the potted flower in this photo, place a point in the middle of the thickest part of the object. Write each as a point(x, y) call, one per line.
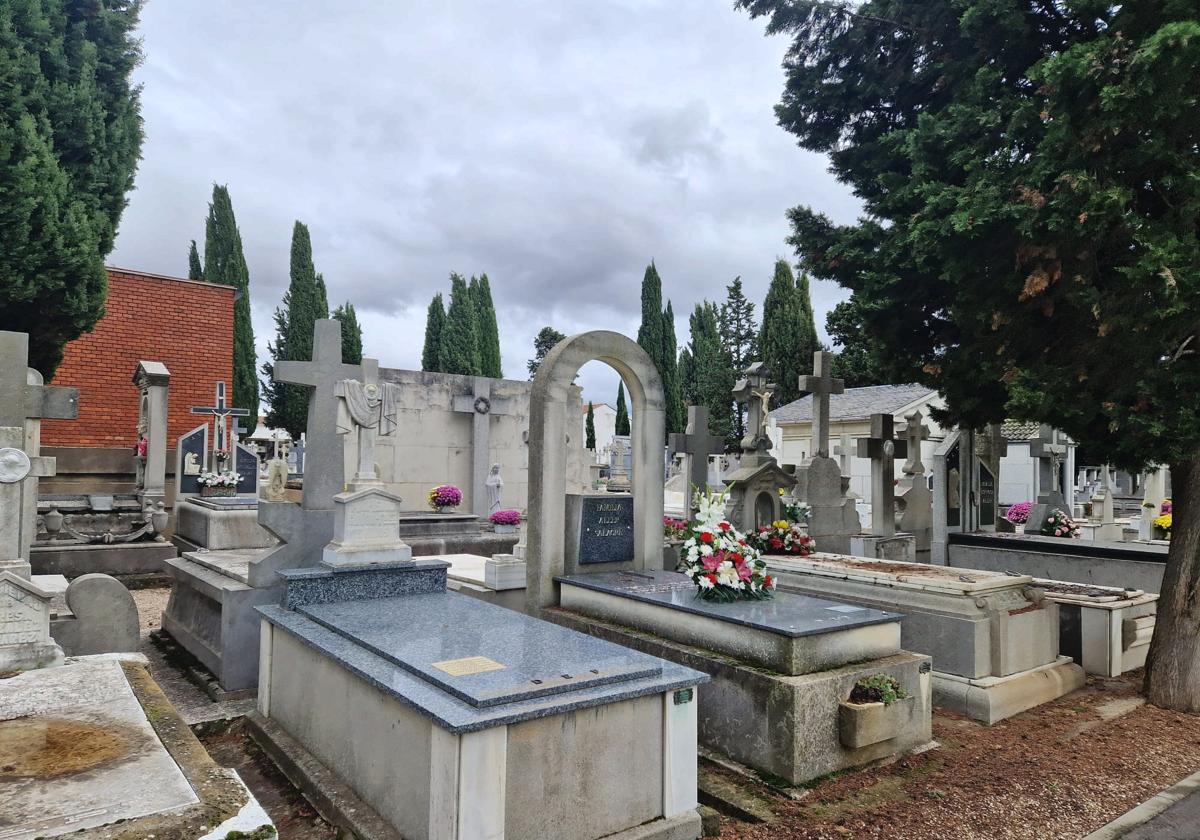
point(1018, 515)
point(878, 710)
point(218, 483)
point(674, 532)
point(506, 521)
point(1162, 523)
point(445, 497)
point(1058, 524)
point(783, 537)
point(719, 560)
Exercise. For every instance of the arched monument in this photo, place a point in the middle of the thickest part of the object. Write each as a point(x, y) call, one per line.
point(549, 423)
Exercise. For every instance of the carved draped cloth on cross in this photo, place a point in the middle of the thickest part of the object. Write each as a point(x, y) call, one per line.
point(371, 408)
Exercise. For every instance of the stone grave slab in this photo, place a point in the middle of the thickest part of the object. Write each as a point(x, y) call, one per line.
point(191, 455)
point(792, 634)
point(246, 465)
point(499, 579)
point(219, 523)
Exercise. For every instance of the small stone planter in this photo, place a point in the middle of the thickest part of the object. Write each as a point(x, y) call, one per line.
point(505, 529)
point(863, 724)
point(208, 491)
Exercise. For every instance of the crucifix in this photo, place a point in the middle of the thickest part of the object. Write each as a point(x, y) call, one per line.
point(219, 412)
point(325, 471)
point(481, 405)
point(754, 391)
point(22, 398)
point(883, 448)
point(821, 384)
point(697, 443)
point(1050, 454)
point(915, 431)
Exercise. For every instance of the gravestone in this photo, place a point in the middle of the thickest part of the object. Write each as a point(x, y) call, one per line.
point(366, 530)
point(757, 486)
point(246, 466)
point(883, 542)
point(599, 531)
point(833, 519)
point(696, 444)
point(220, 411)
point(915, 500)
point(191, 451)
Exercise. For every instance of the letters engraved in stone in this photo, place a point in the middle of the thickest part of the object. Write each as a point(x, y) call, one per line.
point(468, 665)
point(606, 530)
point(14, 465)
point(372, 520)
point(22, 617)
point(987, 495)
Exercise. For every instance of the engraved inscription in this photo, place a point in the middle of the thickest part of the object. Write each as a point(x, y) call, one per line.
point(23, 618)
point(468, 665)
point(371, 519)
point(606, 530)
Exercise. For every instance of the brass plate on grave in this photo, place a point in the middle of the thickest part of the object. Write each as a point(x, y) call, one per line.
point(468, 665)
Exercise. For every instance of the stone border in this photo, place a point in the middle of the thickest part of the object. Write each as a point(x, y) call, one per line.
point(1148, 810)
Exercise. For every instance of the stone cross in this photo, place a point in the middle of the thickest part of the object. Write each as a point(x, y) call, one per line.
point(697, 443)
point(19, 399)
point(219, 412)
point(844, 450)
point(1050, 454)
point(324, 468)
point(481, 405)
point(915, 431)
point(882, 448)
point(821, 384)
point(754, 391)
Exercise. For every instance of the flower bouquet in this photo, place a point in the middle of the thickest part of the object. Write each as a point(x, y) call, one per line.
point(1058, 524)
point(506, 521)
point(1018, 514)
point(1163, 521)
point(444, 496)
point(718, 559)
point(794, 511)
point(218, 483)
point(783, 537)
point(674, 529)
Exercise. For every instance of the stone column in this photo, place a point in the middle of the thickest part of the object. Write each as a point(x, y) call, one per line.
point(153, 380)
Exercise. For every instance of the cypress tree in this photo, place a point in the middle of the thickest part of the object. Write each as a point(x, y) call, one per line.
point(70, 138)
point(622, 412)
point(676, 413)
point(788, 336)
point(225, 263)
point(650, 333)
point(589, 428)
point(543, 343)
point(735, 322)
point(195, 269)
point(322, 298)
point(435, 324)
point(303, 303)
point(489, 331)
point(352, 349)
point(459, 348)
point(712, 375)
point(687, 376)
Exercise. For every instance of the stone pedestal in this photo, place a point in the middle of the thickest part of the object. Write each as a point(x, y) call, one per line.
point(25, 640)
point(219, 524)
point(1105, 629)
point(366, 530)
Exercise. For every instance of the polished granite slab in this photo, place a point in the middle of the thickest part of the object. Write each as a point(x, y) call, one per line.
point(785, 614)
point(486, 657)
point(393, 644)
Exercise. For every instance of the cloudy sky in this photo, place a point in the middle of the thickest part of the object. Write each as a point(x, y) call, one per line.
point(558, 145)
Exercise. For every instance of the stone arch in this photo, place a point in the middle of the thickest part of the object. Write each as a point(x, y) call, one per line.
point(548, 428)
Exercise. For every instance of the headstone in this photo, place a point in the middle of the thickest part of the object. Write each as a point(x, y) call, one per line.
point(599, 530)
point(481, 405)
point(619, 455)
point(246, 466)
point(1050, 453)
point(366, 530)
point(152, 380)
point(756, 487)
point(914, 498)
point(696, 445)
point(190, 460)
point(833, 519)
point(882, 448)
point(25, 625)
point(295, 457)
point(845, 450)
point(987, 497)
point(754, 391)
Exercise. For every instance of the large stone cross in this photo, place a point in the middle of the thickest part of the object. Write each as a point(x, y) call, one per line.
point(915, 431)
point(754, 391)
point(821, 384)
point(481, 405)
point(1050, 454)
point(697, 443)
point(219, 412)
point(21, 400)
point(324, 467)
point(883, 449)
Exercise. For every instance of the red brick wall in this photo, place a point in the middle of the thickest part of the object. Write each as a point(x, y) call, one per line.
point(185, 324)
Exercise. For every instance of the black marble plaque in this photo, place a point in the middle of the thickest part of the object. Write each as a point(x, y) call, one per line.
point(606, 530)
point(194, 444)
point(246, 465)
point(987, 495)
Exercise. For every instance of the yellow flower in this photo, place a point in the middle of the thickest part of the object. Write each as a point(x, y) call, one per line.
point(780, 524)
point(781, 492)
point(1163, 521)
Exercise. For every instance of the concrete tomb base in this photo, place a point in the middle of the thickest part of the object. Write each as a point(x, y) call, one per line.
point(428, 534)
point(451, 718)
point(498, 580)
point(220, 523)
point(118, 559)
point(901, 548)
point(781, 668)
point(1105, 629)
point(988, 632)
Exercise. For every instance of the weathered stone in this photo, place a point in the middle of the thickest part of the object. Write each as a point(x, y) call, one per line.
point(104, 618)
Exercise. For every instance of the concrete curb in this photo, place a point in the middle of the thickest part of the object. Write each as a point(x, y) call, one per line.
point(1148, 810)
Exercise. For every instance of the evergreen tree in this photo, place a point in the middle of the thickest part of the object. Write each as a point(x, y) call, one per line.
point(352, 349)
point(622, 427)
point(712, 375)
point(489, 332)
point(859, 358)
point(435, 324)
point(322, 299)
point(458, 351)
point(650, 333)
point(739, 337)
point(70, 138)
point(303, 304)
point(672, 387)
point(225, 263)
point(543, 343)
point(195, 269)
point(687, 376)
point(589, 428)
point(1028, 244)
point(788, 338)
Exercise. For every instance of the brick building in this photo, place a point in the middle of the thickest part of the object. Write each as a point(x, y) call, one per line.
point(185, 324)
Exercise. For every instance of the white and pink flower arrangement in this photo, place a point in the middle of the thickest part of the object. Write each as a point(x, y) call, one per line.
point(784, 537)
point(218, 479)
point(1058, 524)
point(719, 559)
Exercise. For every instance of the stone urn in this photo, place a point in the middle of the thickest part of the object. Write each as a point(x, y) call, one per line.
point(53, 521)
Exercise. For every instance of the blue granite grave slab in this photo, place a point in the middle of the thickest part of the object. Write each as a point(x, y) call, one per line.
point(531, 647)
point(323, 585)
point(785, 614)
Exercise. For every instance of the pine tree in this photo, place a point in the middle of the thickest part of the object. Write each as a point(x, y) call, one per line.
point(195, 269)
point(352, 349)
point(70, 138)
point(622, 427)
point(788, 338)
point(435, 325)
point(589, 428)
point(676, 412)
point(712, 375)
point(225, 263)
point(459, 347)
point(543, 343)
point(735, 321)
point(303, 304)
point(489, 331)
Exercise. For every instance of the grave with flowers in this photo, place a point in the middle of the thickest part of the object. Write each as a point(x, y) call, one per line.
point(783, 666)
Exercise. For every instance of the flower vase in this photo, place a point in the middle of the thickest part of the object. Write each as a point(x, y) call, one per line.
point(1019, 528)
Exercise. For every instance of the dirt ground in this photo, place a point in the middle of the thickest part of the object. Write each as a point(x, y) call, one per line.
point(1059, 771)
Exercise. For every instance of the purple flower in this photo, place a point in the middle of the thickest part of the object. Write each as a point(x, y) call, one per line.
point(506, 517)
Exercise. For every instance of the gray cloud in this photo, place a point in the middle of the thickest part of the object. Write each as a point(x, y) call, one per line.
point(557, 145)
